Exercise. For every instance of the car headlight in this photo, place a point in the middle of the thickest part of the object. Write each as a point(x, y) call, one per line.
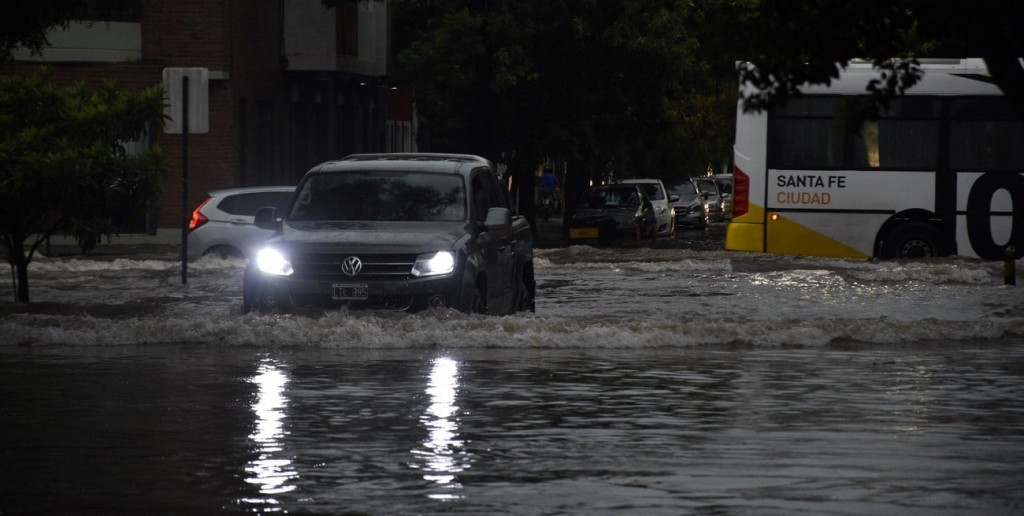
point(659, 210)
point(433, 264)
point(271, 261)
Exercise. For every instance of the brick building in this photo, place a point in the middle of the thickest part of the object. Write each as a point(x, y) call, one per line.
point(290, 84)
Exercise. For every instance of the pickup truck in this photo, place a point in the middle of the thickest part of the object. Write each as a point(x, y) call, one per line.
point(395, 231)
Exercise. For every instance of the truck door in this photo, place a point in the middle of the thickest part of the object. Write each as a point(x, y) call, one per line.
point(498, 250)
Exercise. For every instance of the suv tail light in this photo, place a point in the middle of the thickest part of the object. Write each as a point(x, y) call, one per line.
point(198, 219)
point(740, 193)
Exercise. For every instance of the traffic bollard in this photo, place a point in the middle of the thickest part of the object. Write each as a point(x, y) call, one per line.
point(1010, 265)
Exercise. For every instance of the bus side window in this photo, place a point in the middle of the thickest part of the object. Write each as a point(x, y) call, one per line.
point(897, 144)
point(807, 134)
point(985, 135)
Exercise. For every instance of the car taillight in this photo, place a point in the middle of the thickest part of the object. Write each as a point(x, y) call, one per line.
point(740, 193)
point(198, 219)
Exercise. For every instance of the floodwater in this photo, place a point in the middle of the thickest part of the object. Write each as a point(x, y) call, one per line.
point(650, 381)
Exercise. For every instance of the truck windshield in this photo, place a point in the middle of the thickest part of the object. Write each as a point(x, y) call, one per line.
point(381, 196)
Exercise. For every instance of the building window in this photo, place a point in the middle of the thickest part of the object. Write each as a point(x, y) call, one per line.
point(122, 11)
point(347, 28)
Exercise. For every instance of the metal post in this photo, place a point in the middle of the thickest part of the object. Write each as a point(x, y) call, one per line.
point(184, 180)
point(1010, 265)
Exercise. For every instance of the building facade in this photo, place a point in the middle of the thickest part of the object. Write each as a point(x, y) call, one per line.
point(289, 84)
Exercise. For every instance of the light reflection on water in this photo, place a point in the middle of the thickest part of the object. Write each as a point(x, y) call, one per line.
point(273, 469)
point(839, 430)
point(442, 455)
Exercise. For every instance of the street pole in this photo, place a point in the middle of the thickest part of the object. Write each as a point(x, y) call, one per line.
point(184, 180)
point(1010, 265)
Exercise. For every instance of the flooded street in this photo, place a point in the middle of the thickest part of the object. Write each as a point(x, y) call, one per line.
point(664, 380)
point(197, 429)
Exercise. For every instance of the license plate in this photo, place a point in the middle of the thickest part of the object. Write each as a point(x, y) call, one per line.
point(582, 233)
point(344, 291)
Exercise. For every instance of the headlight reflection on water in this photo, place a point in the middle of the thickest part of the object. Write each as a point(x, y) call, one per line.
point(442, 455)
point(271, 471)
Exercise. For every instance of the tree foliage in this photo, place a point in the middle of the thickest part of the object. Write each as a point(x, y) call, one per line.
point(62, 157)
point(649, 88)
point(605, 86)
point(599, 83)
point(787, 44)
point(24, 23)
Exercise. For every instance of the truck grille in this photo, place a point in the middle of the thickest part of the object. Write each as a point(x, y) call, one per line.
point(374, 266)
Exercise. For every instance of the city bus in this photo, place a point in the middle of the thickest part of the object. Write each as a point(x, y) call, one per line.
point(938, 172)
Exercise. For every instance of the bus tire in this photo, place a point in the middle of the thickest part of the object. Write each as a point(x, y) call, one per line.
point(912, 240)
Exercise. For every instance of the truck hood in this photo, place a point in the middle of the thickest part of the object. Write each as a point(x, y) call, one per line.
point(370, 237)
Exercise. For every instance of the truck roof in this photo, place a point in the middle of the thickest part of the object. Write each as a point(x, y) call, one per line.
point(427, 162)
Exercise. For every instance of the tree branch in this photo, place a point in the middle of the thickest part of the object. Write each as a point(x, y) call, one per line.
point(1008, 73)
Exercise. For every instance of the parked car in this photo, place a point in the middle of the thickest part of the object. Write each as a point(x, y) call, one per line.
point(610, 212)
point(725, 186)
point(691, 207)
point(222, 225)
point(664, 205)
point(716, 204)
point(395, 231)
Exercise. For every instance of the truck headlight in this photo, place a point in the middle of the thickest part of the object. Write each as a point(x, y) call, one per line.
point(271, 261)
point(433, 264)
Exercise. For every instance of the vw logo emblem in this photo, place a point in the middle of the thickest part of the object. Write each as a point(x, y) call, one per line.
point(351, 266)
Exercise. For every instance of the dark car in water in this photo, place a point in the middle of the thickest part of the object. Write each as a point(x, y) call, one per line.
point(395, 231)
point(726, 183)
point(716, 203)
point(691, 206)
point(607, 213)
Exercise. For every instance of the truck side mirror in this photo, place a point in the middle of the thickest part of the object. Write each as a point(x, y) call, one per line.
point(499, 221)
point(266, 218)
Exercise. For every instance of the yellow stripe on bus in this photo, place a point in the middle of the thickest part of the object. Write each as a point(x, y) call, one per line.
point(746, 233)
point(788, 237)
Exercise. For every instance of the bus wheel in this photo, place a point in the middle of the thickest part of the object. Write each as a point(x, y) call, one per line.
point(912, 240)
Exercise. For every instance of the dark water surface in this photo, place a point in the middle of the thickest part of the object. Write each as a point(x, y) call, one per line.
point(200, 429)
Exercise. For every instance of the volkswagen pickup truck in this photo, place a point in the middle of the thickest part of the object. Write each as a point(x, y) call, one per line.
point(398, 232)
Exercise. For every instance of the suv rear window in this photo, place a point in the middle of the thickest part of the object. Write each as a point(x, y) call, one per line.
point(250, 203)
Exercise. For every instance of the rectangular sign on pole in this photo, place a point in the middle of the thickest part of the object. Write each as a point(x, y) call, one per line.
point(187, 112)
point(198, 100)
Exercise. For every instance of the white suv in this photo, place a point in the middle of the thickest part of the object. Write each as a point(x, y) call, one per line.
point(222, 224)
point(664, 205)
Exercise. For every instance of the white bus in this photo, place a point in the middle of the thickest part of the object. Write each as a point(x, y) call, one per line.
point(937, 173)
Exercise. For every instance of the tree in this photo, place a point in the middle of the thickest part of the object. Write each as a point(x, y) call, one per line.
point(788, 44)
point(62, 156)
point(24, 23)
point(606, 86)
